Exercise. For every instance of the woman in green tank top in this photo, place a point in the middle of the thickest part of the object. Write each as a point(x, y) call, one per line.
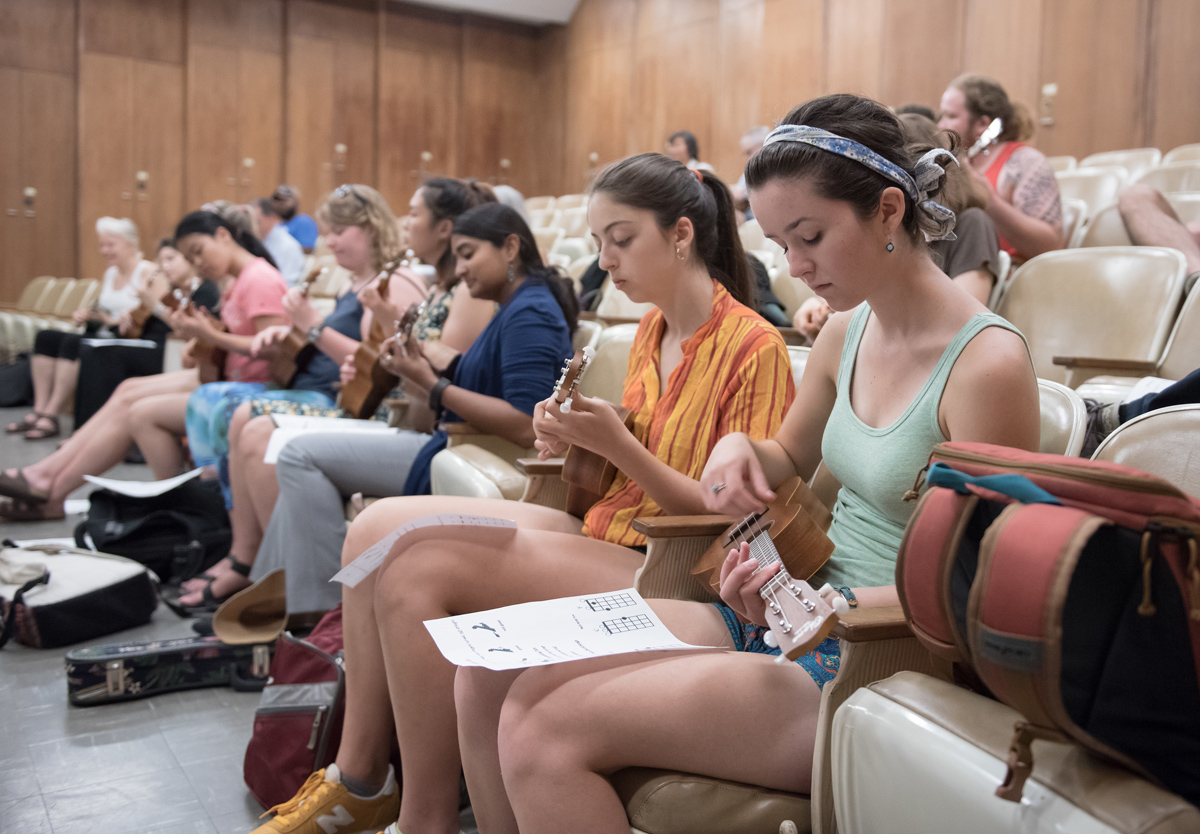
point(909, 361)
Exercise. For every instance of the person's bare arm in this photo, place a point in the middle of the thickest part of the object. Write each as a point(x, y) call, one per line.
point(467, 318)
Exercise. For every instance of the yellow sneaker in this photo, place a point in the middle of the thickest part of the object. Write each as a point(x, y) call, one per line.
point(323, 805)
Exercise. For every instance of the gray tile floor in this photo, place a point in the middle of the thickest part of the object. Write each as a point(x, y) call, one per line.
point(171, 763)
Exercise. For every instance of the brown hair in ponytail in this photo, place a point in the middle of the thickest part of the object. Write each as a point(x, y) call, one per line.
point(656, 183)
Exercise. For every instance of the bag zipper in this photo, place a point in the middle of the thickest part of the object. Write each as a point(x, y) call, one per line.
point(1061, 470)
point(316, 726)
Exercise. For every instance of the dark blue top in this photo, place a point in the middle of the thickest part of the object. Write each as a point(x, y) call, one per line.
point(321, 372)
point(516, 358)
point(304, 229)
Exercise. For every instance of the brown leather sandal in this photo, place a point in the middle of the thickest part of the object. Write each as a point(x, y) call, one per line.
point(39, 433)
point(20, 489)
point(14, 510)
point(23, 425)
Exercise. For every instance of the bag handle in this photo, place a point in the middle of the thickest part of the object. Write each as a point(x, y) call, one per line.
point(1015, 486)
point(10, 622)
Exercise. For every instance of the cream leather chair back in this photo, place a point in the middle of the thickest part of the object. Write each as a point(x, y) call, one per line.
point(1135, 160)
point(573, 221)
point(1161, 442)
point(1064, 419)
point(533, 204)
point(1114, 302)
point(33, 292)
point(1062, 163)
point(574, 248)
point(91, 293)
point(68, 301)
point(1179, 176)
point(571, 201)
point(546, 238)
point(586, 334)
point(791, 291)
point(752, 235)
point(1074, 215)
point(1107, 229)
point(1181, 356)
point(47, 301)
point(1095, 186)
point(799, 359)
point(616, 304)
point(605, 377)
point(1184, 153)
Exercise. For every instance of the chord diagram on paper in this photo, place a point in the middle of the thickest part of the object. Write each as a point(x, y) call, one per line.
point(610, 601)
point(634, 623)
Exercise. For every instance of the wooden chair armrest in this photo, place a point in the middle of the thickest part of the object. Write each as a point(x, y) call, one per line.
point(792, 336)
point(680, 526)
point(458, 429)
point(879, 622)
point(533, 466)
point(1130, 366)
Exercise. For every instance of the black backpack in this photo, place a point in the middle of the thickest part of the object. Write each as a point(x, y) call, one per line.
point(177, 534)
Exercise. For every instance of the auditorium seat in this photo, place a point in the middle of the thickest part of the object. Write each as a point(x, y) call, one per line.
point(1133, 160)
point(1003, 277)
point(1179, 176)
point(1062, 163)
point(546, 238)
point(1183, 153)
point(616, 307)
point(791, 291)
point(533, 204)
point(1096, 187)
point(1074, 214)
point(570, 201)
point(572, 221)
point(915, 755)
point(1163, 442)
point(752, 235)
point(541, 218)
point(31, 294)
point(1105, 228)
point(1180, 357)
point(1119, 302)
point(1064, 419)
point(573, 247)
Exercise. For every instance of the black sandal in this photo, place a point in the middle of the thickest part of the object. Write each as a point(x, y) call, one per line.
point(23, 425)
point(209, 602)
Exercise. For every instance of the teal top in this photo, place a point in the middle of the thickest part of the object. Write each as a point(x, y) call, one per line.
point(877, 466)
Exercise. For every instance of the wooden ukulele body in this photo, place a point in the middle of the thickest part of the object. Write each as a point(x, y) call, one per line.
point(372, 382)
point(796, 521)
point(291, 354)
point(210, 359)
point(589, 475)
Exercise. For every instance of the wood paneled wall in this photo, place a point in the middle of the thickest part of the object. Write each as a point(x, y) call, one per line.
point(638, 70)
point(148, 108)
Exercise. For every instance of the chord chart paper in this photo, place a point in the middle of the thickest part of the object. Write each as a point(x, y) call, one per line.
point(554, 631)
point(608, 602)
point(637, 621)
point(468, 528)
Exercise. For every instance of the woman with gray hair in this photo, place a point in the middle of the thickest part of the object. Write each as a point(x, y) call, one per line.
point(55, 361)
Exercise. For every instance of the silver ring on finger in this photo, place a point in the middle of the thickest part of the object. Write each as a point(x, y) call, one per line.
point(717, 488)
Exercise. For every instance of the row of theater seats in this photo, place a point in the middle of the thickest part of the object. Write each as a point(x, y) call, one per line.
point(896, 739)
point(45, 303)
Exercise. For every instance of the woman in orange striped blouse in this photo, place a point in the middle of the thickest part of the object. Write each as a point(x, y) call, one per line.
point(703, 365)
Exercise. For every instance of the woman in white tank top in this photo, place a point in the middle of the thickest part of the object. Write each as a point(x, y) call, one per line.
point(55, 361)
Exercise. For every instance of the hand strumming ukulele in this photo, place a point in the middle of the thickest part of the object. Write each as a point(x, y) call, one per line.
point(986, 139)
point(362, 395)
point(792, 532)
point(588, 475)
point(210, 359)
point(291, 354)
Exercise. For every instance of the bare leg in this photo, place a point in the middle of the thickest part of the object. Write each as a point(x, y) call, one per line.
point(731, 715)
point(42, 370)
point(247, 534)
point(977, 282)
point(1150, 220)
point(156, 424)
point(66, 374)
point(478, 696)
point(260, 477)
point(546, 558)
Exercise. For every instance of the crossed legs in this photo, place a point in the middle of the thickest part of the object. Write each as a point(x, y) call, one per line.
point(1150, 220)
point(389, 652)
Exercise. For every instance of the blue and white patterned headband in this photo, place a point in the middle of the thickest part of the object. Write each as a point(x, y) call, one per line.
point(929, 171)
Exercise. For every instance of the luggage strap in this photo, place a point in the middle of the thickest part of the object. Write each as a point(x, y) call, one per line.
point(1015, 486)
point(10, 622)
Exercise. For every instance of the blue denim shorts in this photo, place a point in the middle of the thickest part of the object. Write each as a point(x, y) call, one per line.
point(821, 663)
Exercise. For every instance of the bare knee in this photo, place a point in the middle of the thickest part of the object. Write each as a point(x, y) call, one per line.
point(237, 423)
point(368, 527)
point(422, 571)
point(534, 741)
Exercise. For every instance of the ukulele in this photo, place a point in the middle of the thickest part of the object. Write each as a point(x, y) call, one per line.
point(986, 139)
point(210, 359)
point(793, 524)
point(361, 396)
point(291, 354)
point(587, 474)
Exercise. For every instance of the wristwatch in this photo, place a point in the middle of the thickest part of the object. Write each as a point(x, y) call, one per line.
point(848, 594)
point(313, 334)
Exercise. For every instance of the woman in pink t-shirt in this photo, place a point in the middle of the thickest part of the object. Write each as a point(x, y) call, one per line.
point(150, 411)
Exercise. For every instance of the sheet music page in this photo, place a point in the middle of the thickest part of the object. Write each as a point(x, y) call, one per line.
point(465, 526)
point(554, 631)
point(141, 489)
point(291, 426)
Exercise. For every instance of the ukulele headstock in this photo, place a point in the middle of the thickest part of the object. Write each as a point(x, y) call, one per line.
point(568, 382)
point(406, 323)
point(800, 618)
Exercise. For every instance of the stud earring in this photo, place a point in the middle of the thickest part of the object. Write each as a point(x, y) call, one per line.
point(890, 246)
point(678, 253)
point(512, 271)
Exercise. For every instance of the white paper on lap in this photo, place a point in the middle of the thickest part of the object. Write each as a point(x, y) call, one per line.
point(480, 527)
point(554, 631)
point(141, 489)
point(291, 426)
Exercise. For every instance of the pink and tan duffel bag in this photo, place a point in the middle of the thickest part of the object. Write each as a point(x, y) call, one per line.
point(1072, 588)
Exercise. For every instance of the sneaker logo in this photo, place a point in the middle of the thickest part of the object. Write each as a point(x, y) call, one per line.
point(330, 823)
